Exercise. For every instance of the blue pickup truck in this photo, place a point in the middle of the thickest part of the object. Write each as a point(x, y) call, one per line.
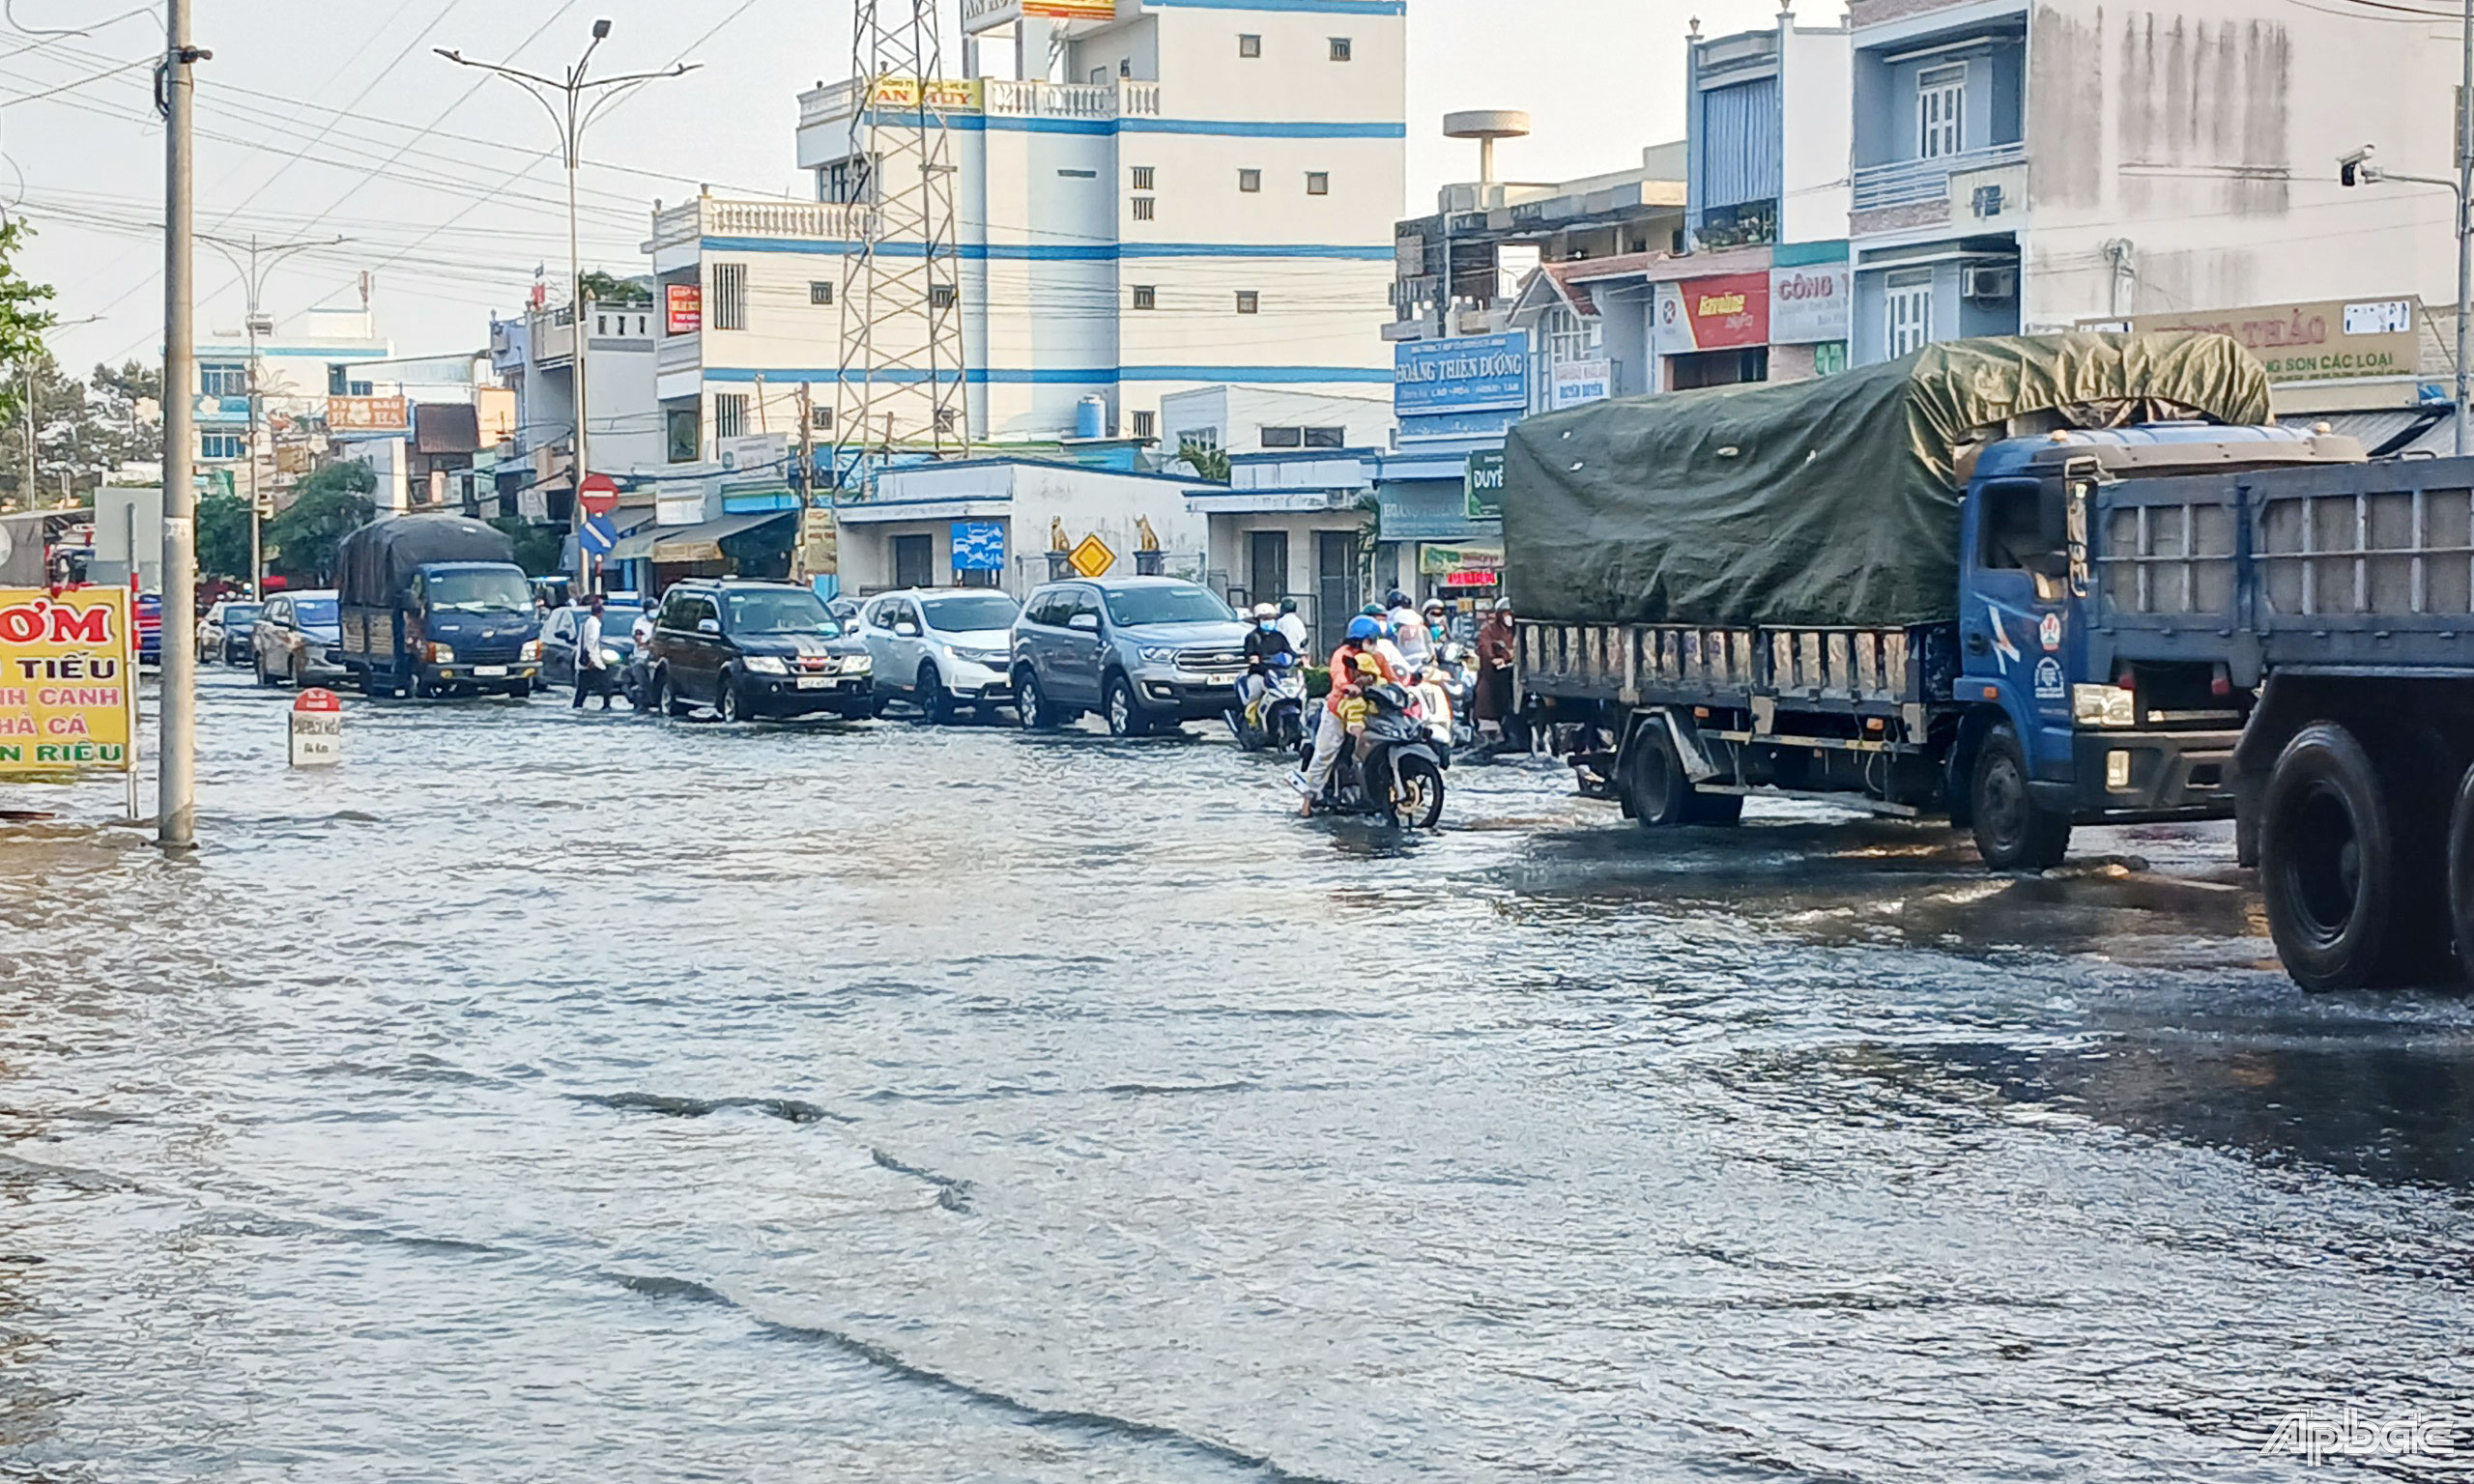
point(2167, 620)
point(434, 605)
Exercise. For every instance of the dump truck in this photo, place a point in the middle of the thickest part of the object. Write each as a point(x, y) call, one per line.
point(2022, 585)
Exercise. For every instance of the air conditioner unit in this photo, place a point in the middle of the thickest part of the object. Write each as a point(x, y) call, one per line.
point(1989, 282)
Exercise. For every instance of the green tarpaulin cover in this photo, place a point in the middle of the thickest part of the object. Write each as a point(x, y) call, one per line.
point(1832, 501)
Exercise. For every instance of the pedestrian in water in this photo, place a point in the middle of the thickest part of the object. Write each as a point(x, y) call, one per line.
point(1493, 702)
point(593, 672)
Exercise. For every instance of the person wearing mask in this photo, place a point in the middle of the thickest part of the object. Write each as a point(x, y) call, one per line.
point(1408, 630)
point(1348, 684)
point(1493, 702)
point(1267, 649)
point(1437, 616)
point(592, 671)
point(1293, 626)
point(1383, 637)
point(1434, 705)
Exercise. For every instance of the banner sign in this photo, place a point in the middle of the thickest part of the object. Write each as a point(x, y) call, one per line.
point(1462, 566)
point(945, 95)
point(368, 415)
point(1808, 305)
point(68, 682)
point(1468, 374)
point(1728, 312)
point(1575, 382)
point(979, 546)
point(981, 14)
point(685, 303)
point(2326, 340)
point(1483, 485)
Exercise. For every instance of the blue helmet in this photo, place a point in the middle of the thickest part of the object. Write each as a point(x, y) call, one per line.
point(1363, 628)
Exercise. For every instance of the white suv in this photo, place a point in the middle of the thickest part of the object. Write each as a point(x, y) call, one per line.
point(941, 649)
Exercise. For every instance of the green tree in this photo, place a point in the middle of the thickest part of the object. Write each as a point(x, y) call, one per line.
point(327, 506)
point(537, 548)
point(1210, 464)
point(607, 288)
point(22, 323)
point(223, 537)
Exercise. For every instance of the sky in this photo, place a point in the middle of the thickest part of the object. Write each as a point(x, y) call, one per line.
point(327, 117)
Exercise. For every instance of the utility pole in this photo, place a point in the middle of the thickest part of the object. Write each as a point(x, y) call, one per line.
point(176, 97)
point(253, 283)
point(27, 485)
point(572, 116)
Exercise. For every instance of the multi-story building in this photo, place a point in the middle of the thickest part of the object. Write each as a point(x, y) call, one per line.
point(1166, 195)
point(299, 363)
point(534, 354)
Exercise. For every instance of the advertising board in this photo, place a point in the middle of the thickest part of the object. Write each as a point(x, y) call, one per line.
point(68, 682)
point(1808, 305)
point(2322, 340)
point(1467, 374)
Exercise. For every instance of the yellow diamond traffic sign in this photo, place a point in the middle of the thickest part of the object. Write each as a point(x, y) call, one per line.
point(1093, 558)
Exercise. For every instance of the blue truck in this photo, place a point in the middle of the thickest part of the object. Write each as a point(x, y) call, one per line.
point(435, 605)
point(2161, 620)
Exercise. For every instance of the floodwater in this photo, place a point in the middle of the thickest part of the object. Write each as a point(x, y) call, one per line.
point(555, 1097)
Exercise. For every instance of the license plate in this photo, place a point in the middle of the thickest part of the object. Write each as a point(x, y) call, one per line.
point(1229, 677)
point(489, 672)
point(814, 682)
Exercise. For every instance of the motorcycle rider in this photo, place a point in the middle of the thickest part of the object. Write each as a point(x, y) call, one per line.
point(1434, 705)
point(1408, 630)
point(1349, 678)
point(1292, 626)
point(1267, 648)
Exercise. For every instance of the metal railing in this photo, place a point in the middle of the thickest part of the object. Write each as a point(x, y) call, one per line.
point(1913, 181)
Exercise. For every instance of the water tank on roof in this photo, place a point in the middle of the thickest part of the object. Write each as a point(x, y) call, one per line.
point(1091, 417)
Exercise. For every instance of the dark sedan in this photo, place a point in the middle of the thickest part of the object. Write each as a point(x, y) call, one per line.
point(558, 634)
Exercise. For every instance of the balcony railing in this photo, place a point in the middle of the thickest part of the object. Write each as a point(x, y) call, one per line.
point(1071, 99)
point(825, 222)
point(1914, 182)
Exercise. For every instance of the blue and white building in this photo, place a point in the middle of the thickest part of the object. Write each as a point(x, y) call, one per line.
point(1152, 196)
point(303, 361)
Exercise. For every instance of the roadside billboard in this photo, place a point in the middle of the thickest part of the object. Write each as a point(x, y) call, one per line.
point(946, 95)
point(685, 304)
point(1571, 383)
point(2323, 340)
point(1730, 311)
point(68, 682)
point(368, 415)
point(1467, 374)
point(1808, 305)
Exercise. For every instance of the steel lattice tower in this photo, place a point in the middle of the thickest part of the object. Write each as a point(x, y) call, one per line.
point(902, 385)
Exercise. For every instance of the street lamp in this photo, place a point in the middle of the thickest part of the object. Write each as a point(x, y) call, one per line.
point(572, 118)
point(253, 283)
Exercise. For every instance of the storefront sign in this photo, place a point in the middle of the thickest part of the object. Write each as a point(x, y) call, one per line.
point(758, 453)
point(68, 682)
point(1575, 382)
point(368, 415)
point(687, 306)
point(983, 14)
point(1462, 566)
point(1484, 484)
point(946, 95)
point(979, 546)
point(1469, 374)
point(1727, 312)
point(2328, 340)
point(1808, 305)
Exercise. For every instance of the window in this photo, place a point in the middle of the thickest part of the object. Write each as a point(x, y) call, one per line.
point(1249, 301)
point(1327, 438)
point(940, 296)
point(730, 414)
point(1249, 45)
point(1146, 178)
point(1340, 48)
point(1569, 338)
point(949, 420)
point(820, 418)
point(1079, 175)
point(730, 296)
point(1940, 103)
point(1207, 439)
point(1143, 423)
point(819, 293)
point(1907, 306)
point(1146, 297)
point(683, 436)
point(2014, 533)
point(844, 181)
point(1124, 67)
point(601, 324)
point(1284, 438)
point(222, 379)
point(1146, 208)
point(216, 447)
point(362, 388)
point(1318, 182)
point(1249, 180)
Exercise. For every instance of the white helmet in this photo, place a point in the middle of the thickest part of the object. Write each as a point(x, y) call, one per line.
point(1266, 610)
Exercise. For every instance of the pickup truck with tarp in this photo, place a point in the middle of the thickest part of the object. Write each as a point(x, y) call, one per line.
point(435, 605)
point(2025, 584)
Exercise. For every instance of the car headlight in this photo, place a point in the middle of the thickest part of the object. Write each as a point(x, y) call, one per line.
point(766, 665)
point(441, 654)
point(531, 650)
point(2103, 705)
point(857, 664)
point(1157, 655)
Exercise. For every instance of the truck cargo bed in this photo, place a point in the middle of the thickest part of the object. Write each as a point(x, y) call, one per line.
point(1869, 670)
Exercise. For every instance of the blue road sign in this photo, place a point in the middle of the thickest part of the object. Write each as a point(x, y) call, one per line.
point(597, 535)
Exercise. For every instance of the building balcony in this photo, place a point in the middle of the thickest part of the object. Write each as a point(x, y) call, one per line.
point(687, 224)
point(1865, 15)
point(995, 97)
point(1917, 182)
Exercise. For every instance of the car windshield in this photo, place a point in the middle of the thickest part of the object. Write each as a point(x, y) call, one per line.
point(1130, 605)
point(962, 616)
point(616, 618)
point(787, 611)
point(239, 613)
point(311, 613)
point(479, 590)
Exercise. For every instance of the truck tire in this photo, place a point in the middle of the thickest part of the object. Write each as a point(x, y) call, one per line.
point(2013, 832)
point(2328, 862)
point(1658, 792)
point(2460, 878)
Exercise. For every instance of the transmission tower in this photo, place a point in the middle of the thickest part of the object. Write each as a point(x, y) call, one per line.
point(902, 387)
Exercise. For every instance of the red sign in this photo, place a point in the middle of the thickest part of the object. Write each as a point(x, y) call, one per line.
point(1716, 314)
point(316, 699)
point(686, 303)
point(598, 495)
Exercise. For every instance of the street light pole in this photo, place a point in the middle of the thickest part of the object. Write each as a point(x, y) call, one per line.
point(253, 282)
point(572, 118)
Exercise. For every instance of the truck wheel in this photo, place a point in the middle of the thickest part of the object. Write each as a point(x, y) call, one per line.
point(1653, 781)
point(2013, 832)
point(2328, 861)
point(2460, 877)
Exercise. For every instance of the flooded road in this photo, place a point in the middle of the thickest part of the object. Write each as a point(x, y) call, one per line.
point(554, 1095)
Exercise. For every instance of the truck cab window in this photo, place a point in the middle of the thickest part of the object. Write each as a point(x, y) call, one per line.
point(2014, 536)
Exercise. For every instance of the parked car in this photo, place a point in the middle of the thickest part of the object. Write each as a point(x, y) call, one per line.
point(756, 649)
point(558, 634)
point(147, 615)
point(942, 649)
point(295, 638)
point(224, 635)
point(1145, 652)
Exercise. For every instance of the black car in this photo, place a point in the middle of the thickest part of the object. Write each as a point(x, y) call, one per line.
point(756, 649)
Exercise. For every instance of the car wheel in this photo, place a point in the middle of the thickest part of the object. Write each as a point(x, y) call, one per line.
point(2013, 832)
point(258, 662)
point(1030, 702)
point(1124, 713)
point(727, 705)
point(668, 696)
point(936, 702)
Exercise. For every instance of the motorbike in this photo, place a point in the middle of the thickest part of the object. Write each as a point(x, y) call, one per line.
point(1278, 720)
point(1461, 685)
point(1400, 778)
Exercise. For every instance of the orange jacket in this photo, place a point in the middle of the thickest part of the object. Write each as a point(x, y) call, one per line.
point(1343, 672)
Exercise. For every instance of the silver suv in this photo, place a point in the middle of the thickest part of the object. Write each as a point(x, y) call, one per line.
point(1145, 652)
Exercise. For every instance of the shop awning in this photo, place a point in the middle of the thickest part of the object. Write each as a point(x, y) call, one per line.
point(682, 544)
point(2421, 430)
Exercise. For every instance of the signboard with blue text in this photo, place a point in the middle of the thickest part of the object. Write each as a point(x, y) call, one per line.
point(1468, 374)
point(979, 546)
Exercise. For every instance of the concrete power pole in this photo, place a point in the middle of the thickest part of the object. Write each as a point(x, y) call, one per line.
point(176, 792)
point(253, 283)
